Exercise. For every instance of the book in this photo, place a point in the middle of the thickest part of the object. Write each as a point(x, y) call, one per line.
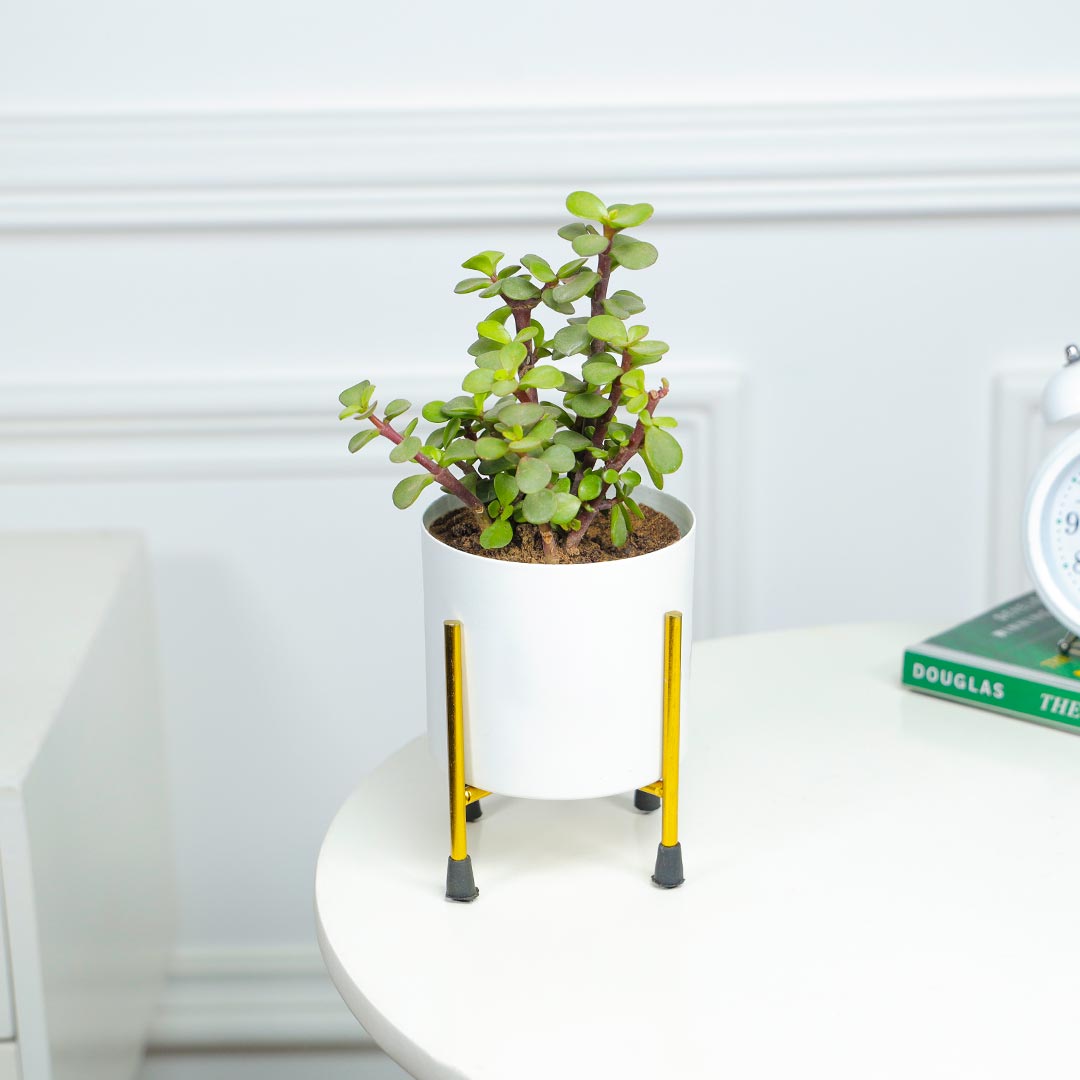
point(1006, 660)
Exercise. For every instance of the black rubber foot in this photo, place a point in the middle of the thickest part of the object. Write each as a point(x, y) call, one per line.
point(669, 871)
point(645, 802)
point(473, 810)
point(460, 884)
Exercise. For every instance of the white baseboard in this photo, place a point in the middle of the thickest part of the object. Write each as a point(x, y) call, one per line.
point(253, 998)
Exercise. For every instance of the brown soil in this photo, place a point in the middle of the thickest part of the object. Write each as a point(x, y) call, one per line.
point(459, 529)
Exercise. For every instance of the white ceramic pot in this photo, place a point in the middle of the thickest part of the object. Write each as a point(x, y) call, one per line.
point(540, 724)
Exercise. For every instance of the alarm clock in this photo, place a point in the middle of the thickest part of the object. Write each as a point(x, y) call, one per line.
point(1052, 519)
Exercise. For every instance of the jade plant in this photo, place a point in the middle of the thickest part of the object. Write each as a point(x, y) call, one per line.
point(528, 440)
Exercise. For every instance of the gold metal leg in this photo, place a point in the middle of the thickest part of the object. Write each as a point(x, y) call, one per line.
point(669, 866)
point(460, 884)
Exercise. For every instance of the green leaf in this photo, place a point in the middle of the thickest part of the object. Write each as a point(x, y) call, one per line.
point(478, 381)
point(506, 488)
point(568, 232)
point(521, 414)
point(620, 529)
point(492, 359)
point(566, 508)
point(471, 284)
point(493, 331)
point(543, 377)
point(601, 372)
point(362, 438)
point(623, 304)
point(408, 489)
point(590, 244)
point(460, 450)
point(538, 267)
point(492, 290)
point(634, 508)
point(561, 306)
point(526, 444)
point(532, 474)
point(489, 448)
point(631, 253)
point(484, 263)
point(661, 451)
point(568, 270)
point(648, 348)
point(357, 396)
point(519, 288)
point(575, 288)
point(406, 450)
point(572, 339)
point(397, 407)
point(665, 421)
point(459, 406)
point(511, 355)
point(572, 384)
point(584, 204)
point(497, 535)
point(608, 328)
point(538, 506)
point(588, 405)
point(503, 387)
point(574, 440)
point(623, 216)
point(560, 458)
point(629, 300)
point(654, 476)
point(530, 331)
point(590, 486)
point(635, 402)
point(544, 430)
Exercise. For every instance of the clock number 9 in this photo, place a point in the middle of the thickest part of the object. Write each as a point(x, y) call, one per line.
point(1072, 523)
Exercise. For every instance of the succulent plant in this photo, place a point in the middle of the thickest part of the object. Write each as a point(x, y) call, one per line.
point(503, 446)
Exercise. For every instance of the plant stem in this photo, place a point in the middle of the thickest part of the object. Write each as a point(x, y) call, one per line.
point(613, 398)
point(444, 476)
point(522, 312)
point(551, 551)
point(616, 463)
point(599, 293)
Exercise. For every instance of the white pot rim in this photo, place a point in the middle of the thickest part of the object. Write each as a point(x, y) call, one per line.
point(649, 496)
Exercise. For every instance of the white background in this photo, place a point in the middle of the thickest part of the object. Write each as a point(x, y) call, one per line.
point(215, 216)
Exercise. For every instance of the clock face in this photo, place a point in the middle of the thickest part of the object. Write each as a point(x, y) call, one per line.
point(1052, 532)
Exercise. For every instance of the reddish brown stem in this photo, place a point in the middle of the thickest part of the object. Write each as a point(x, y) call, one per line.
point(599, 293)
point(443, 475)
point(522, 312)
point(551, 552)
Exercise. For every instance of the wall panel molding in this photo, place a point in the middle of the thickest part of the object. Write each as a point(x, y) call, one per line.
point(415, 166)
point(244, 429)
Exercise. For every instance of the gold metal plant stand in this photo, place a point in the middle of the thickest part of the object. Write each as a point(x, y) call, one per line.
point(465, 799)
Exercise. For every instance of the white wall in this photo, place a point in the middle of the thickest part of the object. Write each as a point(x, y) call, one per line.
point(862, 295)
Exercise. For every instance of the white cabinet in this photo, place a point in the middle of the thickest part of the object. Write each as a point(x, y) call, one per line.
point(84, 840)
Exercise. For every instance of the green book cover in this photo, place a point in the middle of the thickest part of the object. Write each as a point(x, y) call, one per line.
point(1006, 660)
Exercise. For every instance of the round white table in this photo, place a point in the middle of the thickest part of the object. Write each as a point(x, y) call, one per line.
point(878, 884)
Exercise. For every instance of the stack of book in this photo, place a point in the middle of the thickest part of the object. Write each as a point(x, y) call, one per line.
point(1006, 660)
